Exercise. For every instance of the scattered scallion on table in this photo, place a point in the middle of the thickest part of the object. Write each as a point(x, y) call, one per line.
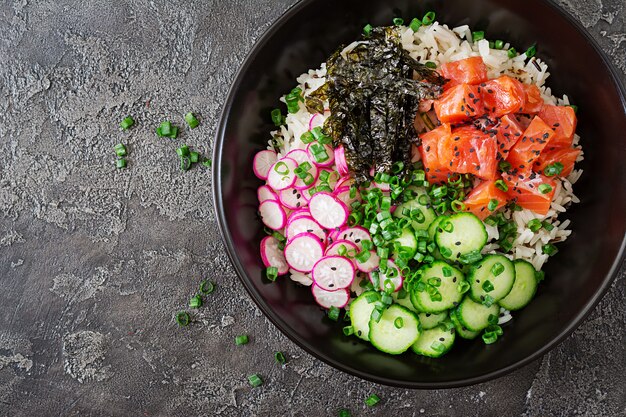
point(127, 122)
point(191, 120)
point(195, 301)
point(255, 380)
point(241, 340)
point(280, 358)
point(183, 319)
point(372, 400)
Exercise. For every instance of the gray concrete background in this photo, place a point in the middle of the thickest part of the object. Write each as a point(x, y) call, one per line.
point(94, 261)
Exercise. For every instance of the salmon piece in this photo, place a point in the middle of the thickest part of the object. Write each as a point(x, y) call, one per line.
point(509, 132)
point(429, 151)
point(566, 156)
point(479, 198)
point(526, 190)
point(528, 149)
point(458, 104)
point(534, 102)
point(465, 71)
point(470, 151)
point(563, 120)
point(503, 95)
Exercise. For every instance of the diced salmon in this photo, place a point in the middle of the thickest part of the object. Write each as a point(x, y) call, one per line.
point(458, 104)
point(563, 120)
point(509, 131)
point(527, 150)
point(534, 102)
point(470, 151)
point(465, 71)
point(524, 189)
point(566, 156)
point(503, 95)
point(429, 151)
point(479, 198)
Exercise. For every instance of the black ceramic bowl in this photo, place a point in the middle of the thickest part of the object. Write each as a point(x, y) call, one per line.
point(576, 277)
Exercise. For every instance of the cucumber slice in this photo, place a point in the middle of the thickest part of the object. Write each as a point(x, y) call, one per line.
point(404, 302)
point(408, 241)
point(524, 287)
point(474, 316)
point(360, 312)
point(459, 235)
point(424, 301)
point(428, 212)
point(433, 226)
point(461, 330)
point(390, 338)
point(431, 320)
point(494, 275)
point(435, 342)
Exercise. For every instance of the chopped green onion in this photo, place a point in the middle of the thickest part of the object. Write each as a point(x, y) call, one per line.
point(307, 137)
point(127, 122)
point(195, 301)
point(415, 24)
point(497, 269)
point(447, 271)
point(553, 169)
point(241, 340)
point(437, 346)
point(530, 52)
point(398, 21)
point(501, 185)
point(534, 225)
point(540, 276)
point(489, 337)
point(493, 204)
point(348, 330)
point(492, 45)
point(371, 298)
point(488, 301)
point(192, 121)
point(372, 400)
point(547, 226)
point(183, 318)
point(120, 149)
point(499, 44)
point(207, 287)
point(487, 286)
point(194, 156)
point(166, 129)
point(344, 413)
point(430, 64)
point(478, 35)
point(183, 151)
point(280, 358)
point(470, 257)
point(549, 249)
point(511, 53)
point(255, 380)
point(457, 206)
point(120, 163)
point(376, 315)
point(428, 18)
point(207, 162)
point(333, 313)
point(277, 117)
point(281, 168)
point(463, 287)
point(435, 282)
point(544, 188)
point(367, 30)
point(271, 273)
point(398, 323)
point(504, 166)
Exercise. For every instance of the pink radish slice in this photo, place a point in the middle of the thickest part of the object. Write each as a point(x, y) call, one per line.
point(340, 161)
point(303, 251)
point(369, 265)
point(301, 156)
point(315, 121)
point(396, 281)
point(344, 182)
point(265, 193)
point(355, 234)
point(334, 248)
point(272, 255)
point(328, 211)
point(343, 195)
point(272, 214)
point(282, 174)
point(262, 163)
point(292, 198)
point(305, 225)
point(300, 277)
point(328, 299)
point(333, 272)
point(298, 214)
point(330, 154)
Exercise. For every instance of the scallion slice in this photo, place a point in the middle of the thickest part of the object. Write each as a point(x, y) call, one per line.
point(195, 301)
point(255, 380)
point(544, 188)
point(428, 18)
point(478, 35)
point(191, 120)
point(183, 318)
point(280, 358)
point(415, 24)
point(372, 400)
point(120, 149)
point(127, 122)
point(333, 313)
point(207, 287)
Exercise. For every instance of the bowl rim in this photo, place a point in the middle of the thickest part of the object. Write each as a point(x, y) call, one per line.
point(292, 335)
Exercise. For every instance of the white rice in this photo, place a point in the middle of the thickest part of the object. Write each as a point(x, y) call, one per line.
point(440, 44)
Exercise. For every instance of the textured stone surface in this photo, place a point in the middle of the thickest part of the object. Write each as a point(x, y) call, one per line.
point(94, 261)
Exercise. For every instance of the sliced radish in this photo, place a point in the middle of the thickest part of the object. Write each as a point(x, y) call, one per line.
point(340, 161)
point(343, 195)
point(305, 225)
point(299, 213)
point(328, 211)
point(315, 121)
point(335, 247)
point(262, 163)
point(301, 156)
point(355, 234)
point(300, 277)
point(333, 272)
point(272, 255)
point(282, 174)
point(330, 154)
point(396, 281)
point(265, 193)
point(303, 251)
point(328, 299)
point(292, 198)
point(272, 214)
point(344, 182)
point(369, 265)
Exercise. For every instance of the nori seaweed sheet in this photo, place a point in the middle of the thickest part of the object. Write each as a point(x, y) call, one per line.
point(373, 100)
